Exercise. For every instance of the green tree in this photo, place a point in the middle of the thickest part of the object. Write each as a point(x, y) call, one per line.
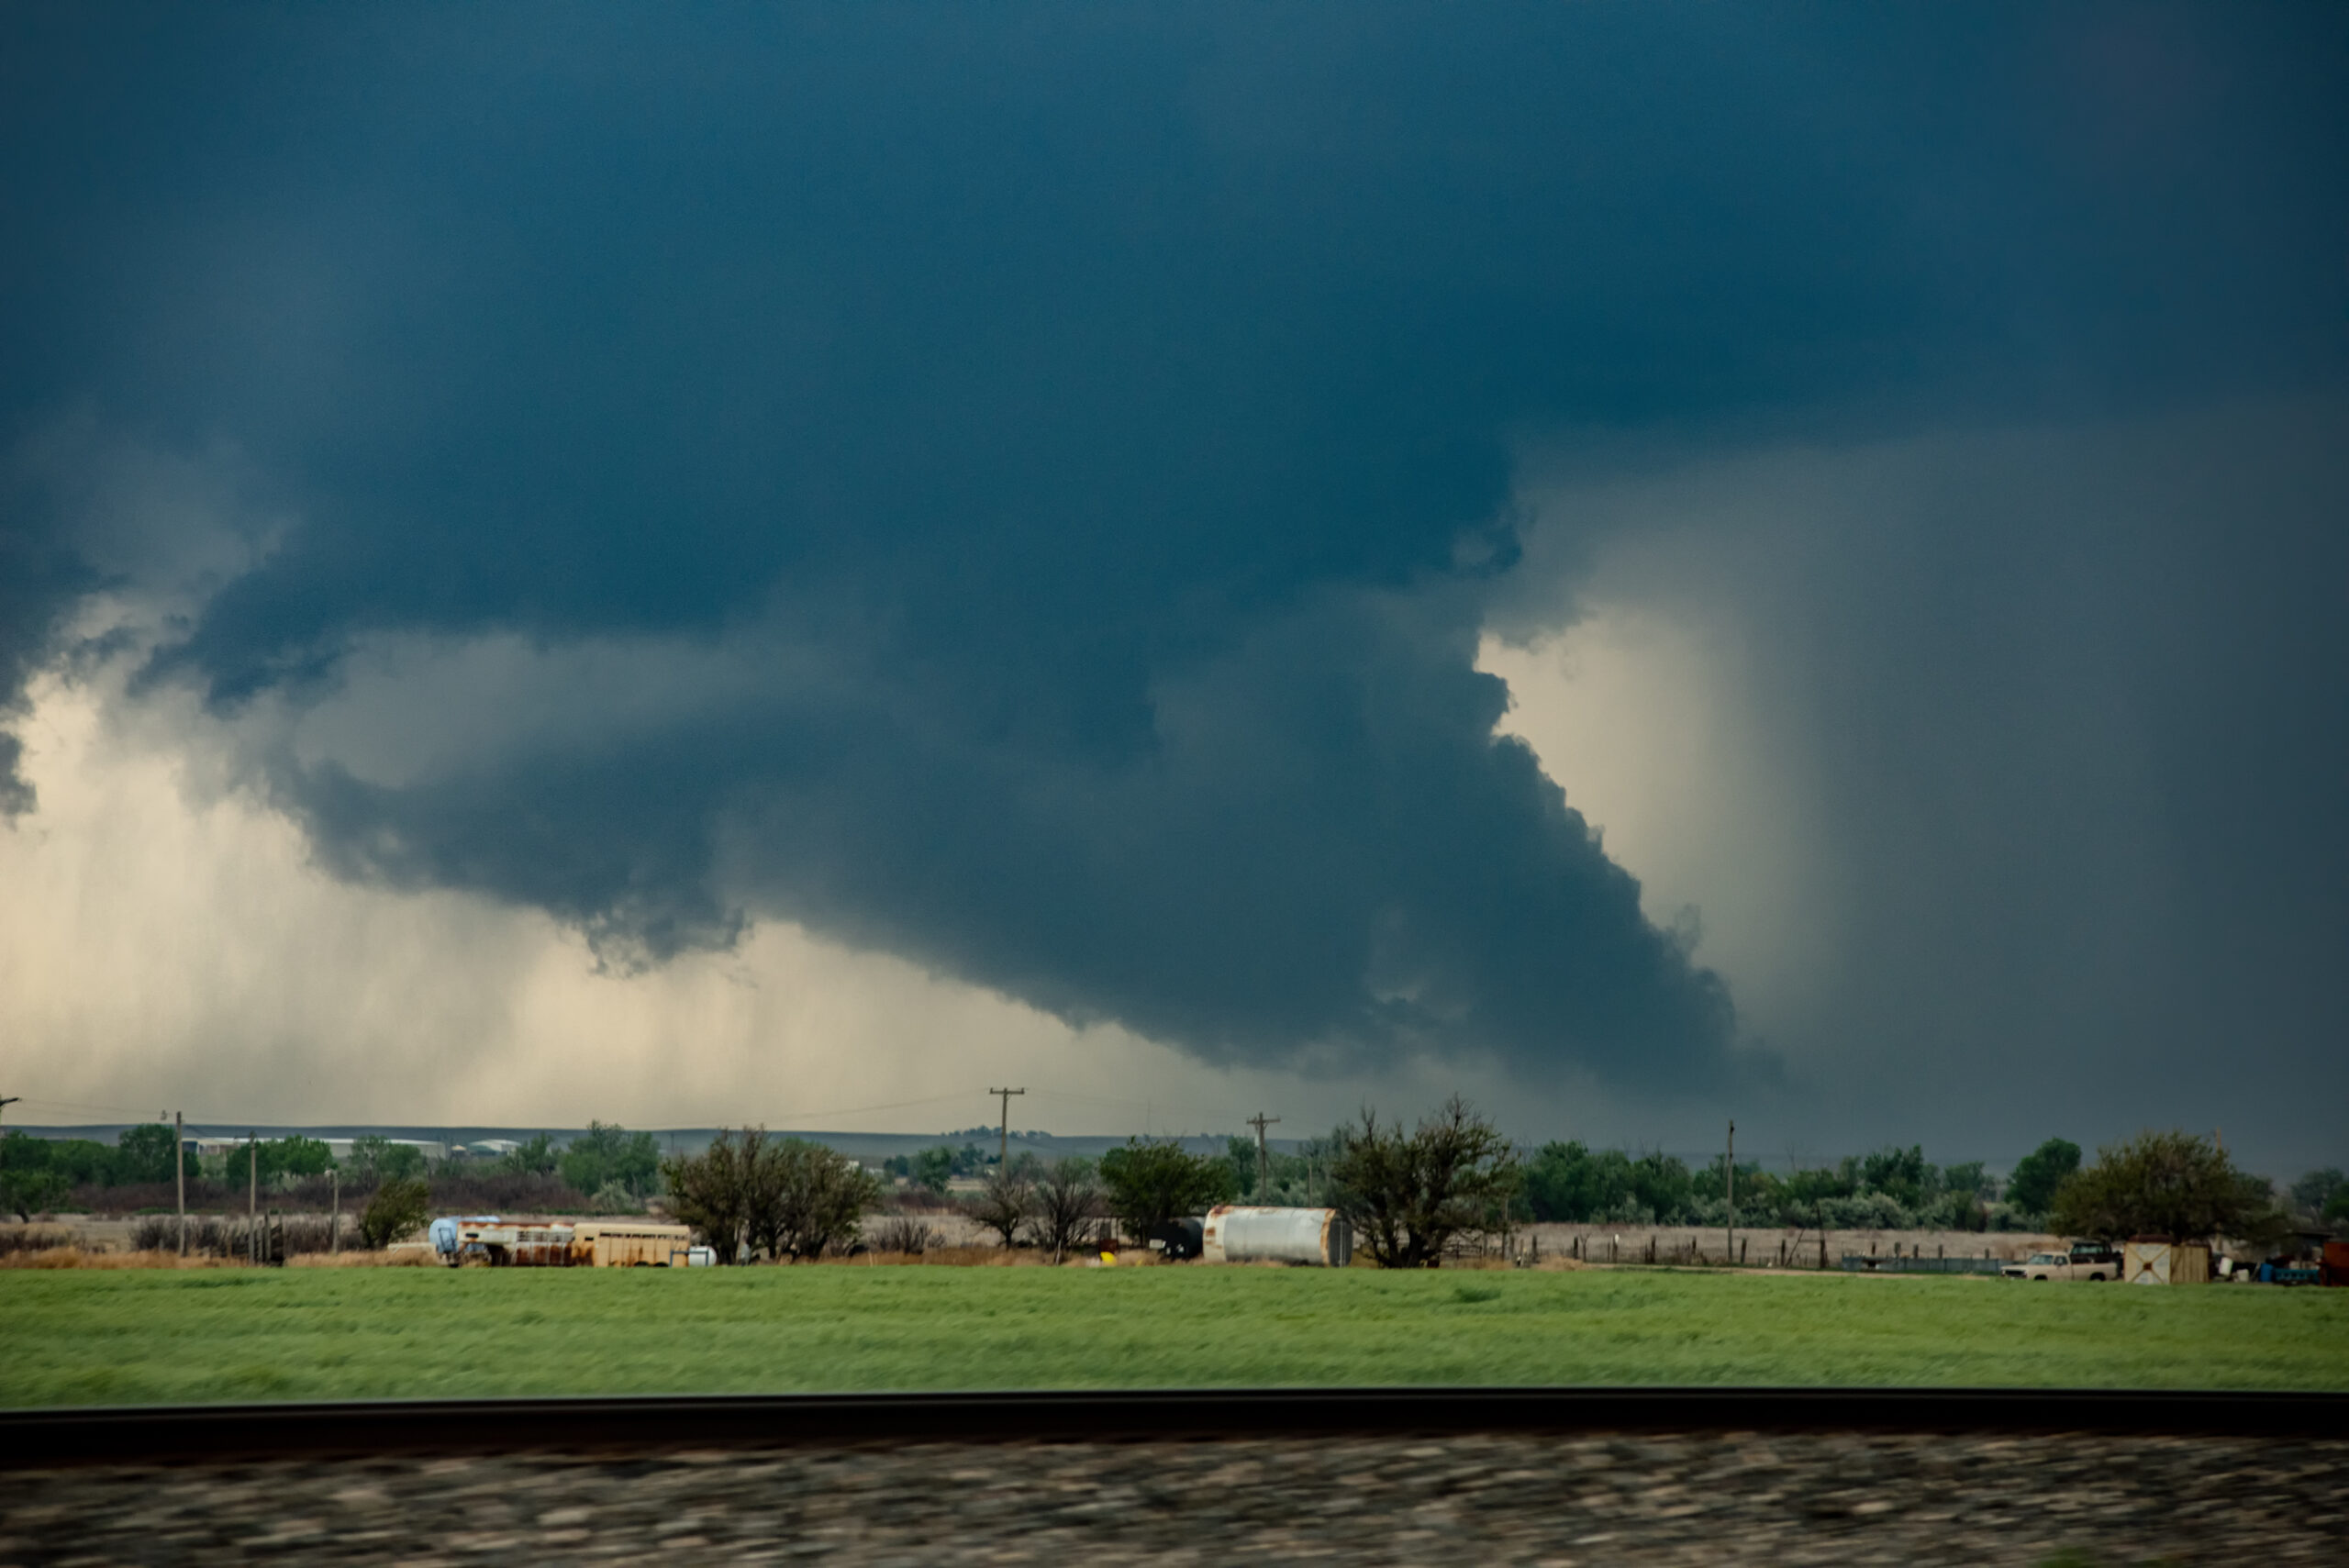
point(377, 1158)
point(609, 1155)
point(82, 1161)
point(1900, 1174)
point(143, 1155)
point(1409, 1194)
point(1662, 1185)
point(933, 1169)
point(2032, 1186)
point(2314, 1192)
point(398, 1208)
point(1150, 1184)
point(29, 1181)
point(2176, 1185)
point(712, 1191)
point(536, 1157)
point(1240, 1153)
point(1569, 1183)
point(814, 1199)
point(298, 1156)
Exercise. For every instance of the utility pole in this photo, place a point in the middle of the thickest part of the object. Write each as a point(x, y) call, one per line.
point(179, 1173)
point(1002, 1154)
point(1263, 1158)
point(1729, 1169)
point(8, 1100)
point(253, 1196)
point(334, 1224)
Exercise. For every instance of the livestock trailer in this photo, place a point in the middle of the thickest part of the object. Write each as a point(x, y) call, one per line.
point(629, 1244)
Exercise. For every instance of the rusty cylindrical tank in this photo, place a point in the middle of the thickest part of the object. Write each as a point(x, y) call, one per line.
point(1315, 1238)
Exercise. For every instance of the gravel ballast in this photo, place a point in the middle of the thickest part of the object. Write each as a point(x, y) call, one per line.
point(1774, 1498)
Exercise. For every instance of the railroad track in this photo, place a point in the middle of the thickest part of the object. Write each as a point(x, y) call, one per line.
point(47, 1438)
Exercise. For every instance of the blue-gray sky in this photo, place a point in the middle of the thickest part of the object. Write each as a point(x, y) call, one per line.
point(1024, 491)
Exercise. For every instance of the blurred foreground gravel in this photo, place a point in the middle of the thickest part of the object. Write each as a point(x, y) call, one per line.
point(1714, 1498)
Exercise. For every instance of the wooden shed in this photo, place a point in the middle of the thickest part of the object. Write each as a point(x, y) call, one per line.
point(2157, 1260)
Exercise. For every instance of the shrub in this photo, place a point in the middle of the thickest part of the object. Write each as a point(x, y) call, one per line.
point(904, 1234)
point(210, 1237)
point(398, 1209)
point(34, 1239)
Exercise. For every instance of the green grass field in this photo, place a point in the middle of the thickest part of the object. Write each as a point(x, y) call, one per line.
point(136, 1336)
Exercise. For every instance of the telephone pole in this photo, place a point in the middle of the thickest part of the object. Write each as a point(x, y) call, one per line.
point(1002, 1151)
point(1263, 1158)
point(179, 1173)
point(8, 1100)
point(1729, 1169)
point(253, 1196)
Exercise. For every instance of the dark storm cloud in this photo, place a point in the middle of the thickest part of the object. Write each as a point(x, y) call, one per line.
point(1119, 402)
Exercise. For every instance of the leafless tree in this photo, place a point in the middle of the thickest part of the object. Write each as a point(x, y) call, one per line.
point(1068, 1206)
point(1409, 1194)
point(1006, 1203)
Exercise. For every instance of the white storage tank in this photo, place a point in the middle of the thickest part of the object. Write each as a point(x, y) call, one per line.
point(1316, 1238)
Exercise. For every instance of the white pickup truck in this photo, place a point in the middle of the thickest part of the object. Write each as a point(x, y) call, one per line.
point(2085, 1260)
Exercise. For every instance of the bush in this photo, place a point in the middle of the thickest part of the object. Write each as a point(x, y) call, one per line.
point(396, 1209)
point(1150, 1184)
point(209, 1237)
point(1408, 1194)
point(34, 1239)
point(904, 1234)
point(1865, 1211)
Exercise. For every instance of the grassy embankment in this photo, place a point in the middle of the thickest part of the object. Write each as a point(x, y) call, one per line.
point(134, 1337)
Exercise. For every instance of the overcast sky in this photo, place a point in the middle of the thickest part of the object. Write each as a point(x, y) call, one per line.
point(792, 563)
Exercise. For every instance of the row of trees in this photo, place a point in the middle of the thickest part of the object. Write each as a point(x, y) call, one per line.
point(1891, 1189)
point(605, 1167)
